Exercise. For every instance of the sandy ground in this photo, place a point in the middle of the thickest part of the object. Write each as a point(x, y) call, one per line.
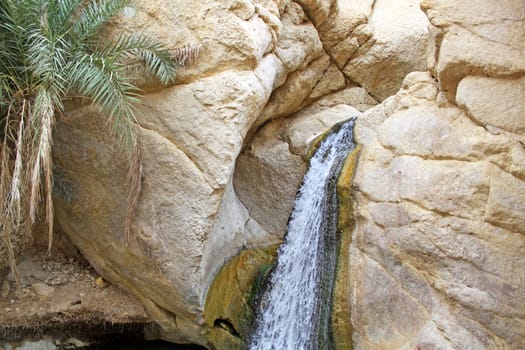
point(62, 297)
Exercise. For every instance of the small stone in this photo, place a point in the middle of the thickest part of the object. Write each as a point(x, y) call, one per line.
point(42, 291)
point(38, 345)
point(5, 289)
point(56, 280)
point(75, 343)
point(100, 283)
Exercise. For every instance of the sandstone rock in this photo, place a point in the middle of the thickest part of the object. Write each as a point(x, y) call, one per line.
point(269, 194)
point(232, 299)
point(283, 102)
point(506, 202)
point(438, 246)
point(277, 154)
point(42, 291)
point(477, 95)
point(335, 22)
point(477, 39)
point(398, 45)
point(354, 96)
point(265, 60)
point(305, 126)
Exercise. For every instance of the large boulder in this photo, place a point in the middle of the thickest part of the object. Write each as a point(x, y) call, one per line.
point(437, 252)
point(392, 43)
point(436, 257)
point(473, 38)
point(258, 61)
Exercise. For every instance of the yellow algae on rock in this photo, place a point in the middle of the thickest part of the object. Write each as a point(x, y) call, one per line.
point(230, 304)
point(341, 324)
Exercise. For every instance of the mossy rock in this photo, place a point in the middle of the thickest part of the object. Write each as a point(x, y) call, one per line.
point(314, 144)
point(230, 305)
point(341, 322)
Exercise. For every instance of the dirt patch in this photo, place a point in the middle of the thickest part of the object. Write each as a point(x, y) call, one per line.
point(63, 297)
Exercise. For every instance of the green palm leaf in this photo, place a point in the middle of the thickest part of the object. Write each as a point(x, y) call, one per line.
point(95, 16)
point(49, 51)
point(155, 56)
point(100, 79)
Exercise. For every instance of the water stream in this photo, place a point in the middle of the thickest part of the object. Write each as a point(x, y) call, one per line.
point(294, 312)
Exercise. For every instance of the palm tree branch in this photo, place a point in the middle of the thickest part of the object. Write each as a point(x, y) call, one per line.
point(100, 79)
point(155, 56)
point(94, 16)
point(43, 115)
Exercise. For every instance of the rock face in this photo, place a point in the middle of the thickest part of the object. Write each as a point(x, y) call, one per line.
point(437, 254)
point(437, 257)
point(221, 164)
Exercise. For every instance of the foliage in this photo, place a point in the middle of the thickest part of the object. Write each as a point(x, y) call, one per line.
point(49, 52)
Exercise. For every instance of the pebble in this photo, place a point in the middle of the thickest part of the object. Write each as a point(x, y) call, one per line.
point(37, 345)
point(42, 291)
point(5, 289)
point(100, 283)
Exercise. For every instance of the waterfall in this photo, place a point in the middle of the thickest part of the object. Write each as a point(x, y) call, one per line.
point(294, 312)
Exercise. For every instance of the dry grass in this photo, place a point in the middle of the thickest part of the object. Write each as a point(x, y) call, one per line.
point(186, 54)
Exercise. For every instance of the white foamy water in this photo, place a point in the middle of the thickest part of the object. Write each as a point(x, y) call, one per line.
point(289, 313)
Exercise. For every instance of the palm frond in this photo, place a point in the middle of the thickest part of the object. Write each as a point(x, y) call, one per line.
point(100, 79)
point(8, 224)
point(186, 54)
point(155, 56)
point(14, 196)
point(64, 11)
point(43, 114)
point(94, 16)
point(47, 57)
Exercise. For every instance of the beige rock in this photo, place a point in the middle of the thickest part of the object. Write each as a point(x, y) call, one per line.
point(452, 187)
point(354, 96)
point(267, 177)
point(477, 39)
point(437, 252)
point(42, 291)
point(335, 22)
point(290, 97)
point(234, 228)
point(477, 95)
point(506, 202)
point(398, 46)
point(332, 80)
point(305, 127)
point(277, 155)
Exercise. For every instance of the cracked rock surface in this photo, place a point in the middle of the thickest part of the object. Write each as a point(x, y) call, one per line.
point(437, 256)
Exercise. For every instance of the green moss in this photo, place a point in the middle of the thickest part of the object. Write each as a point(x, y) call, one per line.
point(341, 323)
point(314, 145)
point(230, 305)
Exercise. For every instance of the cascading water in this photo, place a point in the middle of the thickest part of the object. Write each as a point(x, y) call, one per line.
point(294, 312)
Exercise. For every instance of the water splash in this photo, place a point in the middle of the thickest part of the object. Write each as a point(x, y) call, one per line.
point(294, 313)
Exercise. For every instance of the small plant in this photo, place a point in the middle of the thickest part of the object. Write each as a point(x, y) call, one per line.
point(50, 51)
